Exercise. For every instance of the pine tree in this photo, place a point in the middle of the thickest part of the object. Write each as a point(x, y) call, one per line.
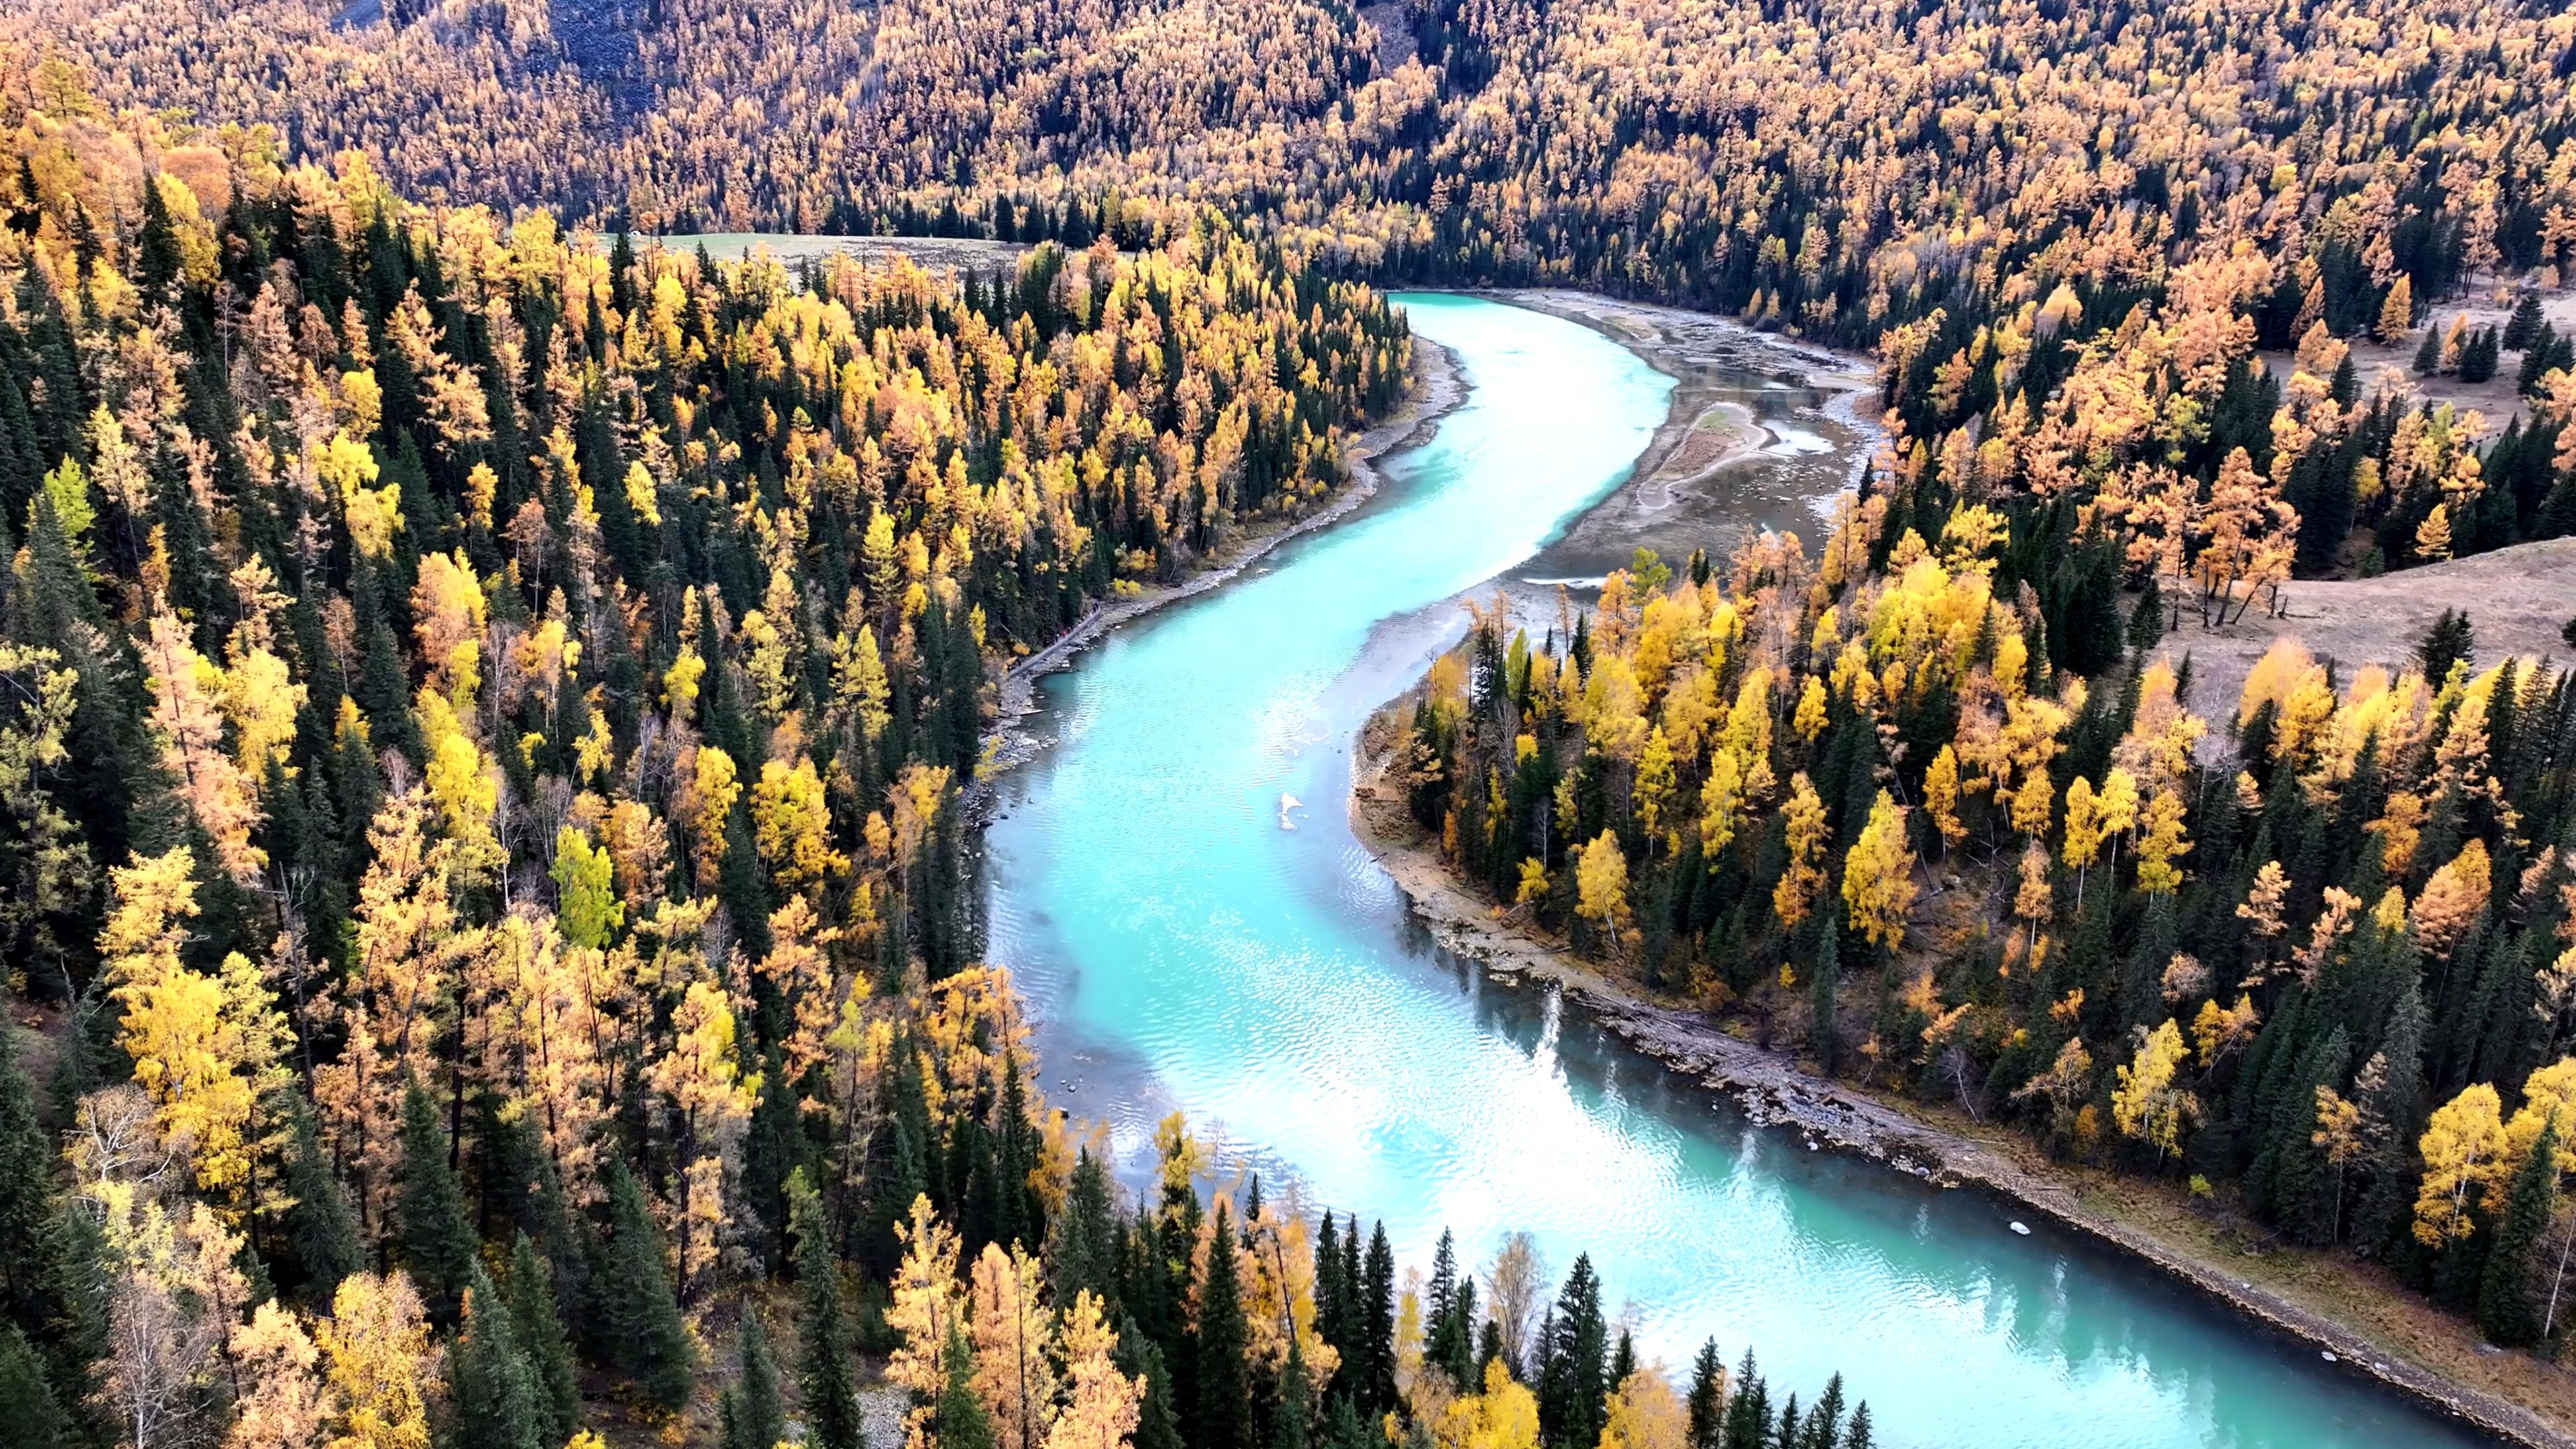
point(641, 1334)
point(1748, 1412)
point(1224, 1418)
point(823, 1364)
point(752, 1415)
point(437, 1240)
point(2505, 1313)
point(322, 1228)
point(540, 1333)
point(492, 1396)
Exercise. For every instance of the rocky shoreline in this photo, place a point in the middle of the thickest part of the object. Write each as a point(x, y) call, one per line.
point(1774, 1091)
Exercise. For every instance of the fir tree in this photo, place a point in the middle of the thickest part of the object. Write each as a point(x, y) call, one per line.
point(752, 1416)
point(27, 1403)
point(492, 1396)
point(1083, 1253)
point(437, 1240)
point(823, 1364)
point(2505, 1313)
point(321, 1229)
point(1576, 1381)
point(641, 1334)
point(1379, 1293)
point(1224, 1417)
point(540, 1333)
point(962, 1421)
point(1288, 1421)
point(1707, 1401)
point(2449, 641)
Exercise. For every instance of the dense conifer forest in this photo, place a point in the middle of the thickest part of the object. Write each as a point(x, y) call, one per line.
point(486, 703)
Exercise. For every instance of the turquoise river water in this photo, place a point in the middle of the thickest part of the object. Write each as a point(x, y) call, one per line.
point(1181, 948)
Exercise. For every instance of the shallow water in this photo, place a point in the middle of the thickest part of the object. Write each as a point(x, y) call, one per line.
point(1181, 949)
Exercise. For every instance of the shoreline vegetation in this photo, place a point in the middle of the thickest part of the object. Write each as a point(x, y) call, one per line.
point(2347, 1310)
point(1435, 388)
point(1775, 1089)
point(2430, 1359)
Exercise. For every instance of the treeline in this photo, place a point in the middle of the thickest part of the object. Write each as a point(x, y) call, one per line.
point(483, 719)
point(1955, 829)
point(2069, 232)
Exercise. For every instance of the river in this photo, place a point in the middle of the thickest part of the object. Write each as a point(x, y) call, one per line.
point(1185, 941)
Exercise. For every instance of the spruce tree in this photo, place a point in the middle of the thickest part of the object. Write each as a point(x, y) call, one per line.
point(752, 1414)
point(1288, 1421)
point(437, 1240)
point(2505, 1313)
point(1858, 1436)
point(823, 1328)
point(321, 1229)
point(1083, 1253)
point(540, 1332)
point(1748, 1413)
point(2428, 354)
point(492, 1396)
point(962, 1421)
point(2524, 325)
point(1570, 1401)
point(27, 1403)
point(28, 1241)
point(1224, 1418)
point(641, 1334)
point(1379, 1293)
point(1707, 1401)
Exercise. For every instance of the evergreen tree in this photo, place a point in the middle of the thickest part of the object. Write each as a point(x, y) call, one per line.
point(27, 1403)
point(1378, 1291)
point(962, 1421)
point(1224, 1417)
point(823, 1372)
point(2524, 325)
point(1288, 1421)
point(437, 1239)
point(1824, 1425)
point(750, 1410)
point(1858, 1436)
point(1083, 1253)
point(641, 1334)
point(321, 1229)
point(540, 1333)
point(2428, 354)
point(1707, 1401)
point(1572, 1389)
point(2449, 641)
point(1748, 1412)
point(2505, 1312)
point(492, 1396)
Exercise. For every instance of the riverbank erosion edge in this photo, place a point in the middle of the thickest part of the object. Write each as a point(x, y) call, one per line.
point(1773, 1090)
point(1435, 389)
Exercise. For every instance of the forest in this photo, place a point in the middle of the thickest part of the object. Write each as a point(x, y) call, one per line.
point(489, 703)
point(2320, 953)
point(484, 717)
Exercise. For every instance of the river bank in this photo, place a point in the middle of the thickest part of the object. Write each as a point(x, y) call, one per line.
point(1435, 388)
point(2414, 1349)
point(1760, 432)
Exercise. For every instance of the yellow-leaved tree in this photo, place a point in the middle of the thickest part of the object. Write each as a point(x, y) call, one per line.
point(1012, 1331)
point(1878, 876)
point(377, 1341)
point(2148, 1104)
point(1804, 874)
point(1101, 1405)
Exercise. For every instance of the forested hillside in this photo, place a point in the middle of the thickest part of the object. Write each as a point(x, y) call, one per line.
point(2320, 952)
point(483, 714)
